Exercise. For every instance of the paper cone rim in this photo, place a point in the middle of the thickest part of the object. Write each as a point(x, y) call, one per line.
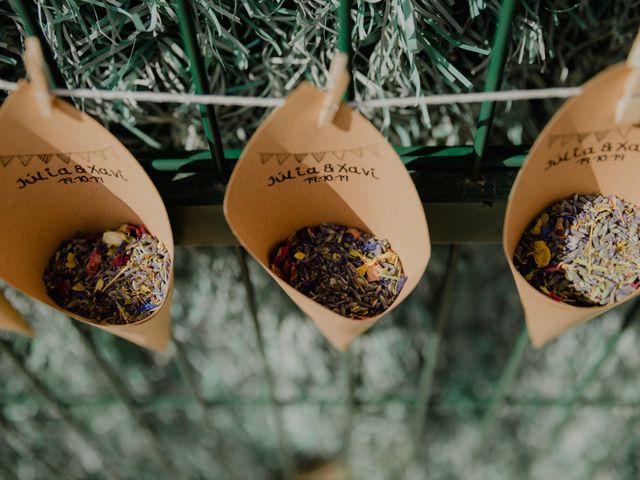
point(534, 296)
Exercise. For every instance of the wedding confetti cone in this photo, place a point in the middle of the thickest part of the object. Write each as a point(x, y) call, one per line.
point(63, 176)
point(10, 318)
point(294, 174)
point(581, 150)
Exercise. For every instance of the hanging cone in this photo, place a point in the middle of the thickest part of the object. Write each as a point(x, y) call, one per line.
point(266, 201)
point(581, 150)
point(65, 175)
point(10, 318)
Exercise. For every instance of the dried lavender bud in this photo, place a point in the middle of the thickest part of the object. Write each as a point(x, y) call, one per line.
point(115, 278)
point(583, 250)
point(351, 272)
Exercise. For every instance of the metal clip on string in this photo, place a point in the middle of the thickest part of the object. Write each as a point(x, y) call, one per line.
point(35, 67)
point(628, 108)
point(336, 86)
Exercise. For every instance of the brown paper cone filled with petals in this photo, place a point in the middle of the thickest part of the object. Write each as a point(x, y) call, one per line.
point(10, 318)
point(293, 174)
point(582, 150)
point(65, 175)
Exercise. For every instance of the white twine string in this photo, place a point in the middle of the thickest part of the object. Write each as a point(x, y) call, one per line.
point(235, 100)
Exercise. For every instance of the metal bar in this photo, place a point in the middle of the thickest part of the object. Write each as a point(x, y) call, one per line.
point(432, 348)
point(493, 82)
point(350, 406)
point(216, 151)
point(439, 174)
point(345, 26)
point(210, 124)
point(214, 439)
point(578, 390)
point(416, 157)
point(429, 353)
point(344, 43)
point(161, 453)
point(26, 12)
point(505, 381)
point(286, 457)
point(180, 401)
point(57, 407)
point(198, 73)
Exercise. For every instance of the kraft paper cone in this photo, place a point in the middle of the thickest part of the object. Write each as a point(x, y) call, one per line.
point(65, 175)
point(293, 174)
point(10, 318)
point(581, 150)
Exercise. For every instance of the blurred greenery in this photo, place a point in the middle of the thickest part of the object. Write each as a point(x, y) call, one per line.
point(351, 412)
point(214, 330)
point(264, 48)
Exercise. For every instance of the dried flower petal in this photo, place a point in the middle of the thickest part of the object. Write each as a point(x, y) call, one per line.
point(348, 271)
point(114, 239)
point(583, 250)
point(115, 278)
point(541, 253)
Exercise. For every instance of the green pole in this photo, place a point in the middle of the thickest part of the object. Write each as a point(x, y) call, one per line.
point(494, 79)
point(344, 41)
point(198, 73)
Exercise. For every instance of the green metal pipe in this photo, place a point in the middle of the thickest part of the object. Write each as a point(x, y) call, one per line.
point(432, 347)
point(506, 379)
point(124, 395)
point(345, 26)
point(350, 405)
point(198, 73)
point(430, 352)
point(214, 438)
point(287, 460)
point(180, 401)
point(344, 42)
point(493, 82)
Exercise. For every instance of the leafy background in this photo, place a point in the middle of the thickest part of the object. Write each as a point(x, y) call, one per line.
point(348, 413)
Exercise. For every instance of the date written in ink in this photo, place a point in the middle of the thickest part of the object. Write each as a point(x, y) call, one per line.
point(64, 173)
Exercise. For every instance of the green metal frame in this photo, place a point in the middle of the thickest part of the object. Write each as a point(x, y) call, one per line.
point(448, 181)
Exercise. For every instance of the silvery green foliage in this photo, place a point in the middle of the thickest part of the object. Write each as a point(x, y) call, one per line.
point(265, 48)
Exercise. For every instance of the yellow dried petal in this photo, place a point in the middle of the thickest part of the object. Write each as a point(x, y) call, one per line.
point(299, 255)
point(99, 285)
point(71, 261)
point(362, 269)
point(542, 221)
point(541, 254)
point(78, 287)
